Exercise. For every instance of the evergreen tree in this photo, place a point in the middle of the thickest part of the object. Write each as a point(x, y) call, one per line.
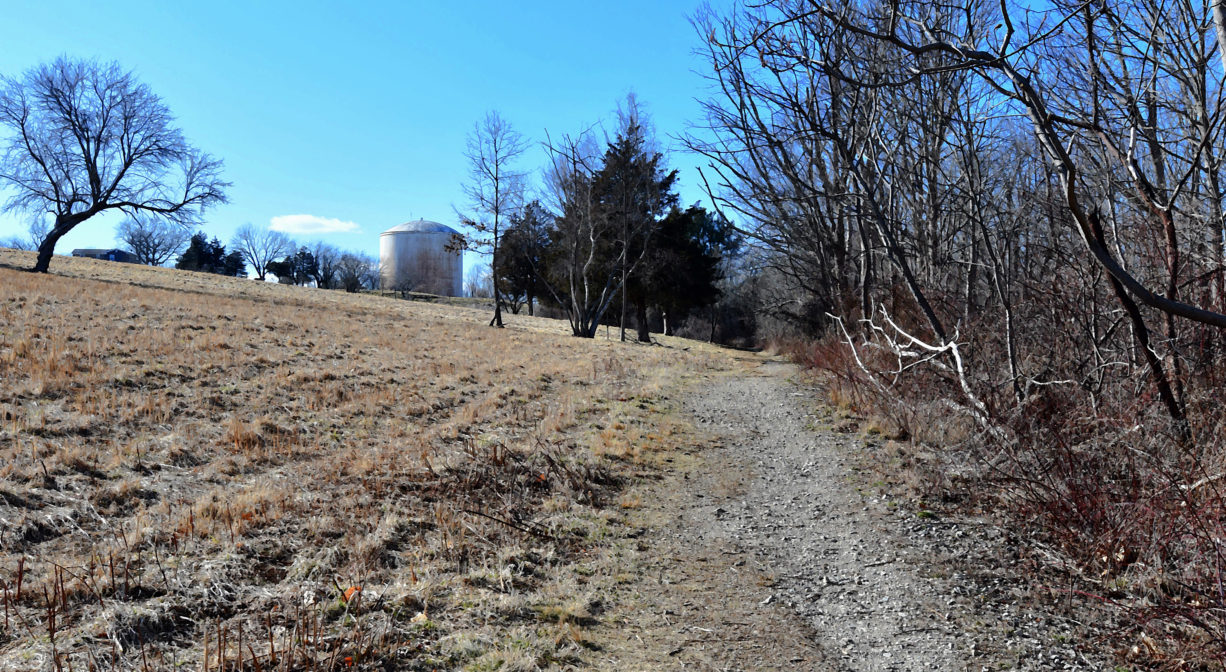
point(283, 269)
point(232, 264)
point(209, 256)
point(299, 268)
point(606, 221)
point(197, 254)
point(681, 271)
point(521, 264)
point(632, 191)
point(305, 267)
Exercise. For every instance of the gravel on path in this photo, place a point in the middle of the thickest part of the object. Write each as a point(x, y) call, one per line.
point(765, 551)
point(868, 595)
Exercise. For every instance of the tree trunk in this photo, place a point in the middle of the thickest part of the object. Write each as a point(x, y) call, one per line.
point(866, 271)
point(1167, 395)
point(640, 318)
point(894, 250)
point(622, 322)
point(1219, 24)
point(1217, 251)
point(497, 321)
point(63, 224)
point(44, 253)
point(972, 278)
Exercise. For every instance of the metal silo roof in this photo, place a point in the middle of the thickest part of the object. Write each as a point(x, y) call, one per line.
point(421, 226)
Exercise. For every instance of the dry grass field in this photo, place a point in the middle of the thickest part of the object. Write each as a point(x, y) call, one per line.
point(207, 473)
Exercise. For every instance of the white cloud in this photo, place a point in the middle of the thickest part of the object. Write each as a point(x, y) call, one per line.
point(310, 224)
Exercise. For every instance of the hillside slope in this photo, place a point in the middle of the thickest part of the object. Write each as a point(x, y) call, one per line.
point(211, 473)
point(302, 475)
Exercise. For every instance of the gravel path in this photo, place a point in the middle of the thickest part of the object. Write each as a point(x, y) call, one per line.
point(866, 592)
point(767, 550)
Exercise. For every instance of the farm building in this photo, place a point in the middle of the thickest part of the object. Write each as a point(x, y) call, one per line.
point(422, 256)
point(105, 255)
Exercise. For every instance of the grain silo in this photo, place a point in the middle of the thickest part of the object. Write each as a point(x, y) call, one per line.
point(422, 256)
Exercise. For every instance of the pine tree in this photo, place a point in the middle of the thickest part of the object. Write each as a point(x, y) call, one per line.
point(632, 192)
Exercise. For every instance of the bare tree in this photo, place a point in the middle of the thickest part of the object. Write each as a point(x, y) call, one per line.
point(1018, 209)
point(86, 137)
point(580, 280)
point(327, 260)
point(154, 241)
point(479, 282)
point(852, 108)
point(494, 189)
point(355, 272)
point(1111, 106)
point(259, 247)
point(36, 234)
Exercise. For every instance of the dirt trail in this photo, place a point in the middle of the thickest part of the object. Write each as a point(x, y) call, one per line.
point(860, 588)
point(764, 554)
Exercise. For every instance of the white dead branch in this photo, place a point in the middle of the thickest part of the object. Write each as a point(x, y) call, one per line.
point(910, 352)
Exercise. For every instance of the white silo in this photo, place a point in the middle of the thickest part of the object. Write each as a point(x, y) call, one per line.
point(422, 256)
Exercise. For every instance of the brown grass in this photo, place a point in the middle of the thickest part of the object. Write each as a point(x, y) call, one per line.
point(196, 473)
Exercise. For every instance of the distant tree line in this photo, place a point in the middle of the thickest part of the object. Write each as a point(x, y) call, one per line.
point(265, 252)
point(36, 233)
point(325, 267)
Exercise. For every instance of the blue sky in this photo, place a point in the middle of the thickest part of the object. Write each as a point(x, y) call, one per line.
point(358, 113)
